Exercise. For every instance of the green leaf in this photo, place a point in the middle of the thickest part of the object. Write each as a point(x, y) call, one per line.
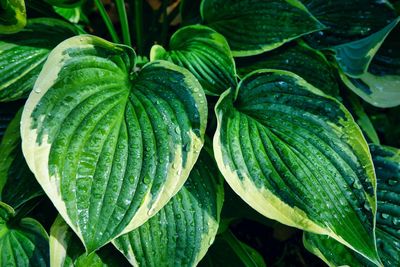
point(180, 233)
point(110, 146)
point(67, 250)
point(296, 156)
point(22, 55)
point(380, 86)
point(252, 27)
point(65, 3)
point(355, 57)
point(17, 183)
point(73, 15)
point(12, 16)
point(348, 21)
point(387, 166)
point(227, 250)
point(298, 58)
point(7, 113)
point(22, 243)
point(205, 53)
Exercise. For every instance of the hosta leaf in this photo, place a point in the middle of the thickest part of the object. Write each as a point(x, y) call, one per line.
point(7, 113)
point(22, 55)
point(205, 53)
point(298, 58)
point(387, 166)
point(348, 21)
point(296, 156)
point(380, 85)
point(110, 146)
point(22, 243)
point(252, 27)
point(67, 250)
point(65, 3)
point(73, 15)
point(181, 232)
point(227, 250)
point(12, 16)
point(355, 57)
point(17, 183)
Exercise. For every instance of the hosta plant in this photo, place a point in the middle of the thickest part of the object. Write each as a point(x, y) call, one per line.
point(155, 133)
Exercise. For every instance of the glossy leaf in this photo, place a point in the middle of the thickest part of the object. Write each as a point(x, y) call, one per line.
point(348, 21)
point(227, 250)
point(22, 243)
point(17, 183)
point(387, 166)
point(67, 250)
point(298, 58)
point(22, 55)
point(180, 233)
point(108, 145)
point(205, 53)
point(296, 156)
point(65, 3)
point(12, 16)
point(252, 27)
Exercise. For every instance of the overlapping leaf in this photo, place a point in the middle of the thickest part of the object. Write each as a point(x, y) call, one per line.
point(297, 156)
point(387, 166)
point(205, 53)
point(110, 146)
point(17, 183)
point(23, 243)
point(22, 55)
point(252, 27)
point(12, 16)
point(181, 232)
point(67, 250)
point(298, 58)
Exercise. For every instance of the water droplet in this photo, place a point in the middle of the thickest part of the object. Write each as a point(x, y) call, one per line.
point(357, 184)
point(385, 215)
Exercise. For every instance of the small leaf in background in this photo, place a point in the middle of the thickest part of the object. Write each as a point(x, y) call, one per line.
point(73, 15)
point(252, 27)
point(298, 58)
point(387, 166)
point(180, 233)
point(22, 243)
point(13, 16)
point(205, 53)
point(17, 183)
point(23, 54)
point(109, 146)
point(347, 21)
point(67, 250)
point(65, 3)
point(380, 85)
point(227, 250)
point(296, 156)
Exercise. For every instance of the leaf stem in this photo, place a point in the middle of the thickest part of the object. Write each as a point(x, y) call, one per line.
point(123, 18)
point(107, 21)
point(139, 25)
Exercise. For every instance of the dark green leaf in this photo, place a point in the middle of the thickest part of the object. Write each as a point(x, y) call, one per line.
point(298, 58)
point(22, 55)
point(180, 233)
point(110, 146)
point(23, 243)
point(296, 155)
point(205, 53)
point(17, 183)
point(12, 16)
point(65, 3)
point(252, 27)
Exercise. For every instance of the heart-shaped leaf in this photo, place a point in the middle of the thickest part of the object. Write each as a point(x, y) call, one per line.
point(181, 233)
point(110, 146)
point(380, 85)
point(252, 27)
point(298, 58)
point(17, 183)
point(205, 53)
point(296, 156)
point(23, 243)
point(67, 250)
point(13, 16)
point(23, 54)
point(387, 166)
